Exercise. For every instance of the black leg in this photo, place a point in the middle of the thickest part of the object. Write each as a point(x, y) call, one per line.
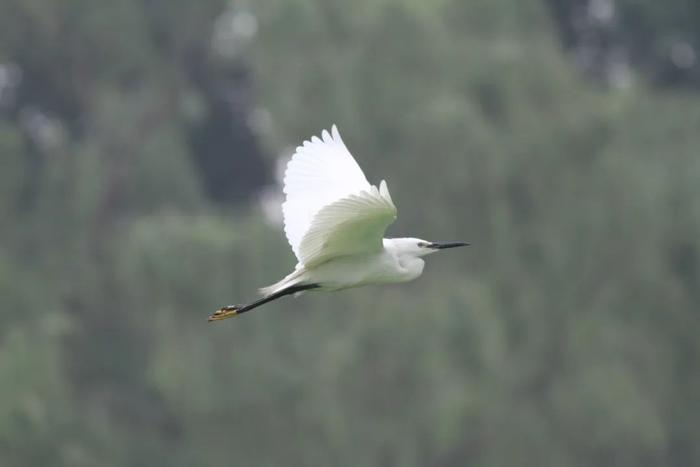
point(233, 310)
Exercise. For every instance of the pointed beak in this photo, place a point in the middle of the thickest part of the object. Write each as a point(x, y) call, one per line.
point(444, 245)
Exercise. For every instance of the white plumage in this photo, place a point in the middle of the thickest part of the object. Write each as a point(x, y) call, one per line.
point(335, 220)
point(327, 194)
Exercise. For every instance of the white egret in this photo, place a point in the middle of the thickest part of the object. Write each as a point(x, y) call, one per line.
point(335, 222)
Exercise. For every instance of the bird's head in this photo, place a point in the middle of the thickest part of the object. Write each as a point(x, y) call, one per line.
point(418, 247)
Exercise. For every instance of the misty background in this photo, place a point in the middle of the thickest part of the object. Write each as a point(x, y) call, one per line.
point(141, 144)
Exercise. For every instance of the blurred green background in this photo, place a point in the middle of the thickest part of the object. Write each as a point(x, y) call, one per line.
point(141, 143)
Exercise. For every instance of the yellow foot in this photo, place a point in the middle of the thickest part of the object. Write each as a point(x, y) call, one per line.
point(225, 312)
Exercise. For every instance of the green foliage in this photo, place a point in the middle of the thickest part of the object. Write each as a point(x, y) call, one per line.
point(11, 170)
point(566, 335)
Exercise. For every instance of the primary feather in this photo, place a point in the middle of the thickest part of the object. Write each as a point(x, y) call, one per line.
point(331, 210)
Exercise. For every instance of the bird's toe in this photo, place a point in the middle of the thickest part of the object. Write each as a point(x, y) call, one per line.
point(225, 312)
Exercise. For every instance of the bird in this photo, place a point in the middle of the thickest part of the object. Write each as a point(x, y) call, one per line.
point(335, 222)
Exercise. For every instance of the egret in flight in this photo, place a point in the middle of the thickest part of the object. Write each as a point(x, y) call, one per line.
point(335, 222)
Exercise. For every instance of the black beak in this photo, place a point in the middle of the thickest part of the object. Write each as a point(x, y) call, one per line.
point(444, 246)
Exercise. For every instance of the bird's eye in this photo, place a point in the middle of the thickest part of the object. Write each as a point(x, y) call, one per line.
point(422, 244)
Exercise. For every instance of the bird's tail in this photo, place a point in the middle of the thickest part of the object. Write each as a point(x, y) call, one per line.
point(290, 280)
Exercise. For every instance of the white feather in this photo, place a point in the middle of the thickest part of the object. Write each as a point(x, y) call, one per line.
point(352, 225)
point(326, 193)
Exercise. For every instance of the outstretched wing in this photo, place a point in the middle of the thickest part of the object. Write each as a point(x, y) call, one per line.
point(322, 173)
point(349, 226)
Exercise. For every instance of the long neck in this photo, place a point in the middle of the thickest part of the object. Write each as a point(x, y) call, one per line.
point(410, 265)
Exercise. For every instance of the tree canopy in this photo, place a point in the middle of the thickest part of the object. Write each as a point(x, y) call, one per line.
point(139, 142)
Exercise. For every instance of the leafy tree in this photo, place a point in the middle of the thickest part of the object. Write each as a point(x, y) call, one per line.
point(564, 336)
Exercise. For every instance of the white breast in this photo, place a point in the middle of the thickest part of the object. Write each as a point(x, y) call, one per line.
point(355, 271)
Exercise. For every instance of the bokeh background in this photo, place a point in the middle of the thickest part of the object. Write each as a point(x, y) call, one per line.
point(141, 144)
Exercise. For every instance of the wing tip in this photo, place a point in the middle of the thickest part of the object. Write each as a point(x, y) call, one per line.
point(326, 137)
point(336, 135)
point(384, 192)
